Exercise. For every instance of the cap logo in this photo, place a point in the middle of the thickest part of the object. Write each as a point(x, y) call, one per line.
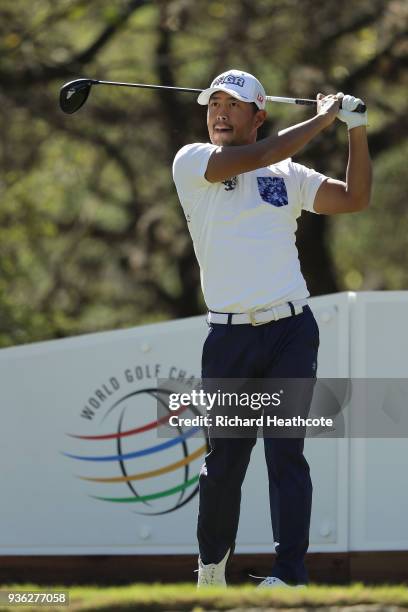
point(231, 79)
point(260, 98)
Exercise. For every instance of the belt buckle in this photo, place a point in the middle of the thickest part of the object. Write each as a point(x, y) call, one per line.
point(254, 322)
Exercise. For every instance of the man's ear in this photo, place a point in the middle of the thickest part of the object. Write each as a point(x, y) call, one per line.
point(260, 118)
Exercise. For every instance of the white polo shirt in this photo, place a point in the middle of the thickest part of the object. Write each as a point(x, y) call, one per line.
point(243, 229)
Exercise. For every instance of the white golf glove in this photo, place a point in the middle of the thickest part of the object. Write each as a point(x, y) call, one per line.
point(346, 114)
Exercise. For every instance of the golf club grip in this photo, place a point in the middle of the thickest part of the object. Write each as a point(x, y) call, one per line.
point(361, 108)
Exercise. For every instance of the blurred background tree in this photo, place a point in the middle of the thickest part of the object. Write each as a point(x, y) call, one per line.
point(92, 236)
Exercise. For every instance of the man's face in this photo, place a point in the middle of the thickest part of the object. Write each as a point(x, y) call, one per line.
point(232, 122)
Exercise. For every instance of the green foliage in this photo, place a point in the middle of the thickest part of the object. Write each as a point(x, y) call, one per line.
point(370, 250)
point(91, 233)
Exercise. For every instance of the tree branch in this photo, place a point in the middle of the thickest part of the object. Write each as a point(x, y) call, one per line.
point(369, 68)
point(354, 25)
point(43, 73)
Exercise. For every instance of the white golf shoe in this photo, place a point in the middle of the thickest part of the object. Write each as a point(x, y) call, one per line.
point(213, 573)
point(271, 582)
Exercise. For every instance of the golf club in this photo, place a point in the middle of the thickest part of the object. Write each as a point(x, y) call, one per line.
point(74, 94)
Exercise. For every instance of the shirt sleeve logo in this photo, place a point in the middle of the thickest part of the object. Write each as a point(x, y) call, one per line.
point(272, 190)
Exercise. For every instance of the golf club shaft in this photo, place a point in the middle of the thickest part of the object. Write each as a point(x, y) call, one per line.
point(144, 86)
point(304, 101)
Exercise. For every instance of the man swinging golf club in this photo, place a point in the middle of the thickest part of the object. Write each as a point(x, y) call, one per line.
point(241, 198)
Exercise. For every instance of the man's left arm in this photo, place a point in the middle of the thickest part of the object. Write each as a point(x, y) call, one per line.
point(334, 197)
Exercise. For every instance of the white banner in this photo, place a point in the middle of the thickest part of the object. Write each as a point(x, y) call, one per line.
point(84, 471)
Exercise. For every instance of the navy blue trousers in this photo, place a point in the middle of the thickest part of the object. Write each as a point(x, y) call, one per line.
point(281, 349)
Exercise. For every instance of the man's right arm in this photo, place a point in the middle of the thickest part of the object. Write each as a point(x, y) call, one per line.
point(226, 162)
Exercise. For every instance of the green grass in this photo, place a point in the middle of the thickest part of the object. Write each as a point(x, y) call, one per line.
point(181, 597)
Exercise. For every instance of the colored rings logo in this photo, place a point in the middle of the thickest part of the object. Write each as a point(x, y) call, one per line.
point(127, 463)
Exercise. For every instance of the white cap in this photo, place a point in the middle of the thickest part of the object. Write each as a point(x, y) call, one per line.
point(239, 84)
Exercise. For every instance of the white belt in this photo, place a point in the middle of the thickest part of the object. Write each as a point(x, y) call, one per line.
point(258, 317)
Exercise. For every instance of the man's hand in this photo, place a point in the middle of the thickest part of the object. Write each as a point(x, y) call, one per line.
point(353, 195)
point(328, 107)
point(348, 104)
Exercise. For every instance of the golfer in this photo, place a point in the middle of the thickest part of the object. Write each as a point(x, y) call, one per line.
point(241, 198)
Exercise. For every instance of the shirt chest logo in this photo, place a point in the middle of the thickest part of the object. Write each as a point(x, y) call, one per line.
point(230, 184)
point(272, 190)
